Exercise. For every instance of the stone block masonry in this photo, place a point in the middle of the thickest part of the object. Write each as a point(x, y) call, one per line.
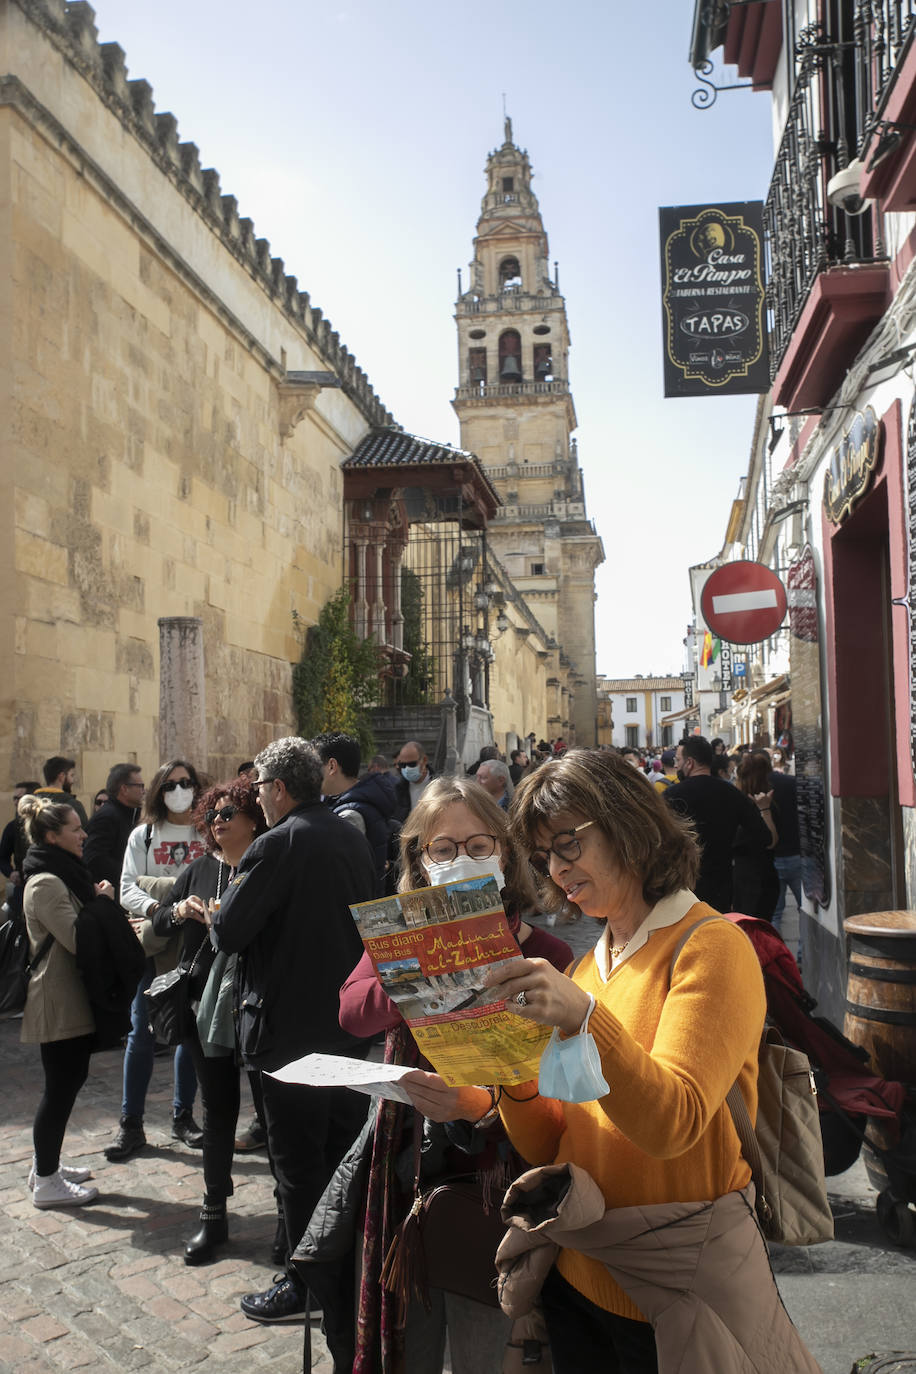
point(145, 469)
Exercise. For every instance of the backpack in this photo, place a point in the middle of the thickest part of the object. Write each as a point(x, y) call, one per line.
point(786, 1151)
point(15, 967)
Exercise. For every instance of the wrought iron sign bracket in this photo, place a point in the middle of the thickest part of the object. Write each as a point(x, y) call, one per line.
point(889, 133)
point(705, 96)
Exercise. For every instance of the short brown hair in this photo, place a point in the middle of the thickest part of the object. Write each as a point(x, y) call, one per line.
point(521, 888)
point(647, 837)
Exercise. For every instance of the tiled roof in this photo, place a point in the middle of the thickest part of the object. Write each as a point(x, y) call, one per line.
point(640, 684)
point(395, 448)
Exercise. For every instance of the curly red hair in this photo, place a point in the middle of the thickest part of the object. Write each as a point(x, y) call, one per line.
point(242, 794)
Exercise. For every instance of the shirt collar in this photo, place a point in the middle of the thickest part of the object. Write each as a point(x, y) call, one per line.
point(667, 912)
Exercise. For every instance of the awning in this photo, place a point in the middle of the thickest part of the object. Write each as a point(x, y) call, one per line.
point(780, 700)
point(768, 689)
point(687, 712)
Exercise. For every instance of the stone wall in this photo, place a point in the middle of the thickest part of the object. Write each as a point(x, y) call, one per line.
point(157, 457)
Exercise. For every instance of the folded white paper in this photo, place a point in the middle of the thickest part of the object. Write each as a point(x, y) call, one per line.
point(337, 1071)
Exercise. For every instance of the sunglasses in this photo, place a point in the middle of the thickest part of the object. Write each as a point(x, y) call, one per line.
point(225, 813)
point(175, 783)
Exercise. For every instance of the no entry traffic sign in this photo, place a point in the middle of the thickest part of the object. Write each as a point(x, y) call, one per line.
point(743, 602)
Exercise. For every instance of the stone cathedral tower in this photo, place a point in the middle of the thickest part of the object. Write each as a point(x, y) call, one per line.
point(516, 413)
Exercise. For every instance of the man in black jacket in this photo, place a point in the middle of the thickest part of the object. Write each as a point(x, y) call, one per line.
point(367, 803)
point(719, 811)
point(109, 828)
point(287, 914)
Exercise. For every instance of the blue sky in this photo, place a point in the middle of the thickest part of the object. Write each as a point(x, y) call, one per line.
point(354, 135)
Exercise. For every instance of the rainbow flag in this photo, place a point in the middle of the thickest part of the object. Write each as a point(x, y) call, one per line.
point(710, 651)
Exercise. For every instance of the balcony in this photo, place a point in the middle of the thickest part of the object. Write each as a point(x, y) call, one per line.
point(887, 62)
point(828, 279)
point(507, 302)
point(482, 392)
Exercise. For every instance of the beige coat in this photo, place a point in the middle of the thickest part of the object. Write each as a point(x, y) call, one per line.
point(698, 1271)
point(56, 1007)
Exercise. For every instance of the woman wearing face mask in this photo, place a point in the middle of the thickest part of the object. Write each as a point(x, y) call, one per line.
point(456, 830)
point(227, 819)
point(163, 844)
point(660, 1021)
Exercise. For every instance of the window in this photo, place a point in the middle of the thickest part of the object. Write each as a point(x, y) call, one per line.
point(632, 734)
point(510, 356)
point(508, 183)
point(666, 737)
point(631, 703)
point(665, 703)
point(477, 365)
point(537, 569)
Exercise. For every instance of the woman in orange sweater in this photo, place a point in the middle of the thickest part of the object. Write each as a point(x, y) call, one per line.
point(657, 1129)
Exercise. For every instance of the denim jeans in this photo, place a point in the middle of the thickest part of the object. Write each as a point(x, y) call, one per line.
point(789, 872)
point(138, 1059)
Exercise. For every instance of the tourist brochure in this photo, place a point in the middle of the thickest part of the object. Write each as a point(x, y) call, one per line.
point(432, 949)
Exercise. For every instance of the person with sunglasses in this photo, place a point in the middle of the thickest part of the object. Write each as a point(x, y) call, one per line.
point(227, 818)
point(164, 842)
point(456, 830)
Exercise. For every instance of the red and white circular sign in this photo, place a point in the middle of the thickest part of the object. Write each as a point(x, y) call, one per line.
point(743, 602)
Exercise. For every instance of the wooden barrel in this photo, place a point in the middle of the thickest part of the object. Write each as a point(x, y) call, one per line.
point(881, 990)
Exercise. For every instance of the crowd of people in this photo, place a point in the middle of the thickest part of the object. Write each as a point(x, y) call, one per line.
point(244, 885)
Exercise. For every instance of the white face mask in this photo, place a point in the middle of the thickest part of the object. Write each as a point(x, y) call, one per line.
point(179, 799)
point(464, 867)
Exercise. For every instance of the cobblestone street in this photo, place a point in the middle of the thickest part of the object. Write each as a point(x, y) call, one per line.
point(105, 1286)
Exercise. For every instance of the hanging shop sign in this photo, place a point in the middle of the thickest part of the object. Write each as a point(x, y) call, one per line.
point(743, 602)
point(852, 466)
point(725, 666)
point(715, 338)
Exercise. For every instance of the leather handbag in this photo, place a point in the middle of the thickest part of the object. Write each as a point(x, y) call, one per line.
point(448, 1240)
point(786, 1151)
point(168, 1001)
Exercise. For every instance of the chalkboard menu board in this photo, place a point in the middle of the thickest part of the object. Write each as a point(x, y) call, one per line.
point(807, 727)
point(911, 519)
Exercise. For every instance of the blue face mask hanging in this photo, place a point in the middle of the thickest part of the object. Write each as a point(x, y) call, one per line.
point(571, 1069)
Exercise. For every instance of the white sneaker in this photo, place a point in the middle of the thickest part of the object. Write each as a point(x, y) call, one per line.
point(69, 1172)
point(57, 1191)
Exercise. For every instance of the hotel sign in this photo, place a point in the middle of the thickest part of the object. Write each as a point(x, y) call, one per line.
point(713, 299)
point(852, 466)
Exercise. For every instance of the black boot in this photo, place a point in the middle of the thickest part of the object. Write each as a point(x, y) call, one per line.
point(213, 1232)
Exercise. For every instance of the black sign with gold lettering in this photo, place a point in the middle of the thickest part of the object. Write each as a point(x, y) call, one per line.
point(852, 466)
point(713, 299)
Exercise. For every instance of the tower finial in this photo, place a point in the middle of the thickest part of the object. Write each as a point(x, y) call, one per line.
point(507, 122)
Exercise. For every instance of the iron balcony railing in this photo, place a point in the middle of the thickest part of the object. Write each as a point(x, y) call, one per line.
point(804, 233)
point(882, 30)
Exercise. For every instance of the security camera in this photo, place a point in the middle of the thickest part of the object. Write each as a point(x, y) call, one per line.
point(843, 189)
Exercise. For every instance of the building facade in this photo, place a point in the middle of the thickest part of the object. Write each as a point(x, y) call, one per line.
point(829, 499)
point(638, 708)
point(516, 412)
point(173, 417)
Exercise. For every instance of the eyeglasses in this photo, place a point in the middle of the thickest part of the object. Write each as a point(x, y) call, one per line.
point(442, 850)
point(407, 763)
point(568, 849)
point(261, 781)
point(225, 813)
point(173, 784)
point(134, 784)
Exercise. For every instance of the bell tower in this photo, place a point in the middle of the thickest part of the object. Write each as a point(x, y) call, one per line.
point(516, 414)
